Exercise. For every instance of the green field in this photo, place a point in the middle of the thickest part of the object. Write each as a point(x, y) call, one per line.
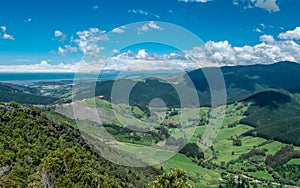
point(224, 151)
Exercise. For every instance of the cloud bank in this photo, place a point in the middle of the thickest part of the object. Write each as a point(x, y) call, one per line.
point(284, 47)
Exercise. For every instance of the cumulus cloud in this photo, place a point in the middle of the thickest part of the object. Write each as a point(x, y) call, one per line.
point(119, 30)
point(150, 25)
point(267, 52)
point(7, 36)
point(222, 53)
point(87, 41)
point(291, 34)
point(63, 51)
point(269, 5)
point(58, 33)
point(153, 25)
point(267, 38)
point(45, 67)
point(84, 42)
point(4, 35)
point(3, 28)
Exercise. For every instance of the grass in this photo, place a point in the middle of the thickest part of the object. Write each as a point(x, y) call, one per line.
point(262, 174)
point(203, 176)
point(225, 148)
point(226, 133)
point(294, 161)
point(137, 111)
point(223, 145)
point(105, 105)
point(272, 147)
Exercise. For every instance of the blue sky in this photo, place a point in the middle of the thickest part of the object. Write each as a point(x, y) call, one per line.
point(28, 26)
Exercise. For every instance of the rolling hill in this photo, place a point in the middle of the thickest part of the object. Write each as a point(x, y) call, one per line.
point(23, 94)
point(241, 82)
point(275, 115)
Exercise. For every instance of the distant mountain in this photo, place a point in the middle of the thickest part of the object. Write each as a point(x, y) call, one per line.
point(241, 82)
point(275, 115)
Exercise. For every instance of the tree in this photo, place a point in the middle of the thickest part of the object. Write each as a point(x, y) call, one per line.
point(175, 179)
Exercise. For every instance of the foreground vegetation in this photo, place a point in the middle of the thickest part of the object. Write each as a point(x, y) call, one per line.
point(36, 151)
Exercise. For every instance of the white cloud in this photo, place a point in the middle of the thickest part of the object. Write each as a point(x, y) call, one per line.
point(27, 20)
point(58, 33)
point(221, 53)
point(198, 1)
point(4, 35)
point(258, 30)
point(150, 25)
point(44, 67)
point(87, 40)
point(44, 63)
point(269, 5)
point(119, 30)
point(63, 51)
point(267, 52)
point(291, 34)
point(115, 51)
point(143, 12)
point(7, 36)
point(153, 25)
point(212, 53)
point(3, 28)
point(267, 38)
point(142, 53)
point(143, 28)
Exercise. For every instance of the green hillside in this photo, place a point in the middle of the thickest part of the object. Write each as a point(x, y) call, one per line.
point(275, 115)
point(23, 94)
point(241, 82)
point(36, 151)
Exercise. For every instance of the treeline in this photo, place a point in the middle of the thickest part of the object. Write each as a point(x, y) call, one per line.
point(282, 156)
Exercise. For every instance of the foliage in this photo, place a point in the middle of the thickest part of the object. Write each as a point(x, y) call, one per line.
point(192, 150)
point(175, 179)
point(41, 152)
point(24, 95)
point(274, 110)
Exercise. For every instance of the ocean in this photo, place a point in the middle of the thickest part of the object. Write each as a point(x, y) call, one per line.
point(29, 78)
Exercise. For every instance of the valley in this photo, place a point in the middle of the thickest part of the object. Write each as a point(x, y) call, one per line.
point(256, 143)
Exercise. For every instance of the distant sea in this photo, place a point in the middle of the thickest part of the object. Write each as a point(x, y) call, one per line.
point(29, 78)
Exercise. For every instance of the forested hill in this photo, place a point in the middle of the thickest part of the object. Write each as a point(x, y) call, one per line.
point(241, 82)
point(275, 114)
point(36, 151)
point(23, 94)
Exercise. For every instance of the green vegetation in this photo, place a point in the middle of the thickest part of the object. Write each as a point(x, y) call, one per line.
point(175, 179)
point(274, 110)
point(257, 145)
point(24, 95)
point(36, 152)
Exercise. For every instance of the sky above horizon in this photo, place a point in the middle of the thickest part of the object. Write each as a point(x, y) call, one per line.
point(54, 35)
